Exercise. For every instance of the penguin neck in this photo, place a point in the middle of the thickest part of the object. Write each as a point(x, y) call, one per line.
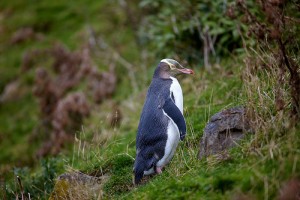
point(161, 74)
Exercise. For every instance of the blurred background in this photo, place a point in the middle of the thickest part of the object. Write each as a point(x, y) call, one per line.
point(74, 74)
point(61, 53)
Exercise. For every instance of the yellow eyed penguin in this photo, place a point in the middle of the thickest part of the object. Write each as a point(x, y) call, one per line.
point(162, 123)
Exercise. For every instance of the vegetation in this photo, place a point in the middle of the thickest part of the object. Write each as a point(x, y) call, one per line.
point(243, 53)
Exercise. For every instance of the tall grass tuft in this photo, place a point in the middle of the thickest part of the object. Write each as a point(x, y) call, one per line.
point(271, 84)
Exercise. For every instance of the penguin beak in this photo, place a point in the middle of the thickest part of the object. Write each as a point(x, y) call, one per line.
point(186, 71)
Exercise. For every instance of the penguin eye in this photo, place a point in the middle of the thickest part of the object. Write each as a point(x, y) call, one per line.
point(172, 66)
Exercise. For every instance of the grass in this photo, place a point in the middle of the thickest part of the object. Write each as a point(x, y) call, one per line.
point(251, 171)
point(256, 168)
point(57, 22)
point(118, 153)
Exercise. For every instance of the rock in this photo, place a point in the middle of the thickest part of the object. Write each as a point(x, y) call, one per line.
point(223, 131)
point(77, 185)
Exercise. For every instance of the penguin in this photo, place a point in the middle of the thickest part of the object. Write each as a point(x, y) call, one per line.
point(162, 123)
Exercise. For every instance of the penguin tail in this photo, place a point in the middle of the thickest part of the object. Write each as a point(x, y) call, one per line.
point(139, 168)
point(138, 177)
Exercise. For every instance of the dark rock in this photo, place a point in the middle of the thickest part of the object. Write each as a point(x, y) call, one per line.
point(223, 131)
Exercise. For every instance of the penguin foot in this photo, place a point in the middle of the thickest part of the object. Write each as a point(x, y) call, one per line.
point(159, 170)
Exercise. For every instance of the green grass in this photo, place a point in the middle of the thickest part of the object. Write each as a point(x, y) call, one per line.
point(256, 169)
point(248, 171)
point(18, 120)
point(58, 22)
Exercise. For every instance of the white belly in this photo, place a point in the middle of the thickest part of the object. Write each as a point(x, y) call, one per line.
point(173, 131)
point(177, 92)
point(171, 145)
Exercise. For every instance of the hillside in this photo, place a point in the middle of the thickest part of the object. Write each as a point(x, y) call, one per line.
point(74, 77)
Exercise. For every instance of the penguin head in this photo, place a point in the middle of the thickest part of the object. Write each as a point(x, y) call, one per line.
point(170, 68)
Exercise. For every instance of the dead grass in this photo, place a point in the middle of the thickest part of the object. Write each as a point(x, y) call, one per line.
point(269, 102)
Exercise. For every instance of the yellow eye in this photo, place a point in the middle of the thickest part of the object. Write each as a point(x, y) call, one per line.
point(172, 66)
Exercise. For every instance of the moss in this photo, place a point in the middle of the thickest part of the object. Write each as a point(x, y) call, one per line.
point(120, 180)
point(60, 190)
point(223, 184)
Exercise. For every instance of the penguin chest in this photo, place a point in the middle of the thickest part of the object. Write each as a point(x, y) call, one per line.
point(176, 92)
point(172, 129)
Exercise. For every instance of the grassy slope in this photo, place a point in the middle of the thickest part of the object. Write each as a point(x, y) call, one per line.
point(58, 22)
point(247, 170)
point(102, 150)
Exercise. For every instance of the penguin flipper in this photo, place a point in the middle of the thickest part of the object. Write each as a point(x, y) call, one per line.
point(174, 113)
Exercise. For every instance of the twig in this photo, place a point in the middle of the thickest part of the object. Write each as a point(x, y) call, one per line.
point(211, 44)
point(204, 38)
point(292, 19)
point(21, 187)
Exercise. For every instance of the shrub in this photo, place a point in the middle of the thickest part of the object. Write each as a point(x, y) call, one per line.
point(272, 71)
point(62, 107)
point(197, 31)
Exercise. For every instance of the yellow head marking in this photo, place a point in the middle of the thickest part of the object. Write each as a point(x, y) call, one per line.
point(172, 66)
